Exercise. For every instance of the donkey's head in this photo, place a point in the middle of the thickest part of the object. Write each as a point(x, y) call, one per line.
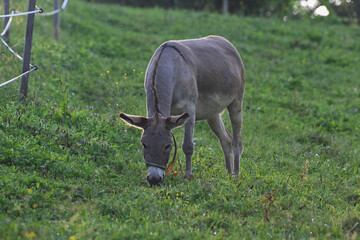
point(156, 141)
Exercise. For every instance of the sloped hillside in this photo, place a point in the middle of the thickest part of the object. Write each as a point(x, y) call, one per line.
point(69, 169)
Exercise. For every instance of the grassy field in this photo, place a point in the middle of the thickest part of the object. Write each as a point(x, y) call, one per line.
point(70, 169)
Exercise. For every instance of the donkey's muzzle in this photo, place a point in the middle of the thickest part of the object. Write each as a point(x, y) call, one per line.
point(155, 176)
point(154, 180)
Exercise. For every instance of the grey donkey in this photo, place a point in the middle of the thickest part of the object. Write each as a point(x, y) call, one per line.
point(187, 81)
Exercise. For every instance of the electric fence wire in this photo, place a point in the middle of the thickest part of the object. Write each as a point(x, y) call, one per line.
point(12, 51)
point(20, 13)
point(13, 14)
point(32, 68)
point(23, 74)
point(38, 10)
point(62, 8)
point(5, 43)
point(7, 25)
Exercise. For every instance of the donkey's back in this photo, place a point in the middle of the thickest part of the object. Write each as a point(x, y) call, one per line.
point(207, 72)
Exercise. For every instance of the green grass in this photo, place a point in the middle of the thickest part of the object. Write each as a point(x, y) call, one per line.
point(70, 169)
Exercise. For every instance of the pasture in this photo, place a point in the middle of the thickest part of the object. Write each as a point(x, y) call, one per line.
point(71, 169)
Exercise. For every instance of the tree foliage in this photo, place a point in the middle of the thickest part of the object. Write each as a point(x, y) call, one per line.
point(247, 7)
point(349, 9)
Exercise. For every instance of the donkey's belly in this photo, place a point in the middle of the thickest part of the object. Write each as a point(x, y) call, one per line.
point(209, 106)
point(206, 106)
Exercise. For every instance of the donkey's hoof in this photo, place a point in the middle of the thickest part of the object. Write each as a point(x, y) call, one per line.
point(188, 175)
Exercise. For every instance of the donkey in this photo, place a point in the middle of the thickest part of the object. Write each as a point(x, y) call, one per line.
point(187, 81)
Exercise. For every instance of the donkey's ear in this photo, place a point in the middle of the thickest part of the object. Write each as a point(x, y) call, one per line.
point(176, 121)
point(135, 121)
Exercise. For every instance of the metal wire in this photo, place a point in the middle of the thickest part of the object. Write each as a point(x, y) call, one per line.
point(7, 25)
point(62, 8)
point(32, 68)
point(38, 10)
point(13, 14)
point(23, 74)
point(11, 50)
point(21, 13)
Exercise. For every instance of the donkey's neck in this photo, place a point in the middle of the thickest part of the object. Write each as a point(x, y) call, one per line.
point(160, 97)
point(160, 83)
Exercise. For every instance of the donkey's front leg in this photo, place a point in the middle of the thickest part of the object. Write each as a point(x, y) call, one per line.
point(188, 145)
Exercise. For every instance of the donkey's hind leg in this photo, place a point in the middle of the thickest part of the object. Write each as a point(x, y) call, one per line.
point(217, 126)
point(235, 112)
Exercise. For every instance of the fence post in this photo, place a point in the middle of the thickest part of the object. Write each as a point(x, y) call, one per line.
point(225, 7)
point(7, 11)
point(27, 49)
point(56, 20)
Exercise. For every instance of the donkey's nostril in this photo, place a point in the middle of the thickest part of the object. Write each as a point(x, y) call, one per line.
point(154, 179)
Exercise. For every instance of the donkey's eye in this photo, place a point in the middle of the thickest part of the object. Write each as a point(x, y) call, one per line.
point(167, 147)
point(145, 146)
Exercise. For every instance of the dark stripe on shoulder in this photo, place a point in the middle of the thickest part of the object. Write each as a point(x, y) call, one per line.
point(178, 50)
point(156, 63)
